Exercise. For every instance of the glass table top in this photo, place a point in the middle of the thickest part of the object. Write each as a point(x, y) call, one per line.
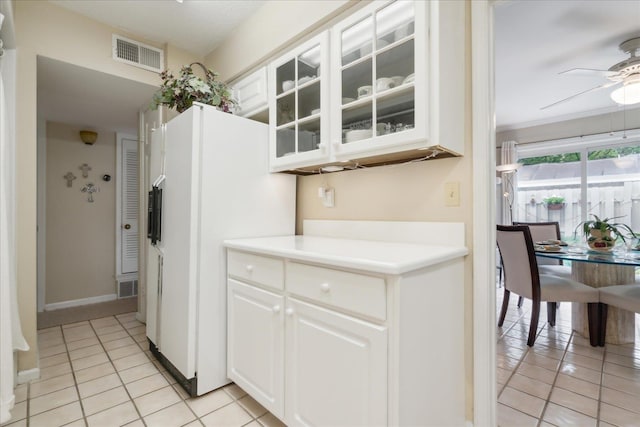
point(576, 253)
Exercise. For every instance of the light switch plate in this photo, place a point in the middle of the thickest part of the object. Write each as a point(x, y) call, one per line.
point(452, 194)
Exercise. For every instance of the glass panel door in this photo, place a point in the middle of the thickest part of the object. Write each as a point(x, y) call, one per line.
point(298, 95)
point(378, 68)
point(613, 185)
point(548, 189)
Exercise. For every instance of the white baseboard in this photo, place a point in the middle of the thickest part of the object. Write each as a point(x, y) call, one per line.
point(77, 302)
point(141, 318)
point(28, 375)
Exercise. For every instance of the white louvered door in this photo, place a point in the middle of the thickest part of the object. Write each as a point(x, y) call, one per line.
point(129, 207)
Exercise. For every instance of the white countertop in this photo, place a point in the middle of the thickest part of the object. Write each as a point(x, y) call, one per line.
point(374, 256)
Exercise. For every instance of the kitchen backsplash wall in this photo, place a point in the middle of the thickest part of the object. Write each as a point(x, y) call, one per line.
point(403, 192)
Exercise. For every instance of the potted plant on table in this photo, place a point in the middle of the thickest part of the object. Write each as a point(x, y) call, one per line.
point(182, 91)
point(554, 202)
point(601, 235)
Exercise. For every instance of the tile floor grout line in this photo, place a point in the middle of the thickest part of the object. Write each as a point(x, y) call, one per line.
point(604, 357)
point(85, 417)
point(553, 385)
point(73, 375)
point(126, 390)
point(28, 406)
point(521, 316)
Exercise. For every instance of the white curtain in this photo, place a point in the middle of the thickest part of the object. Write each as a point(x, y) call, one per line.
point(509, 156)
point(11, 337)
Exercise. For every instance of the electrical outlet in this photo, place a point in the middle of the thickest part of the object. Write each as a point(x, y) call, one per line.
point(329, 198)
point(327, 195)
point(452, 194)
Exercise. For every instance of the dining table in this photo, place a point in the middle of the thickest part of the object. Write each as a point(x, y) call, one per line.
point(599, 269)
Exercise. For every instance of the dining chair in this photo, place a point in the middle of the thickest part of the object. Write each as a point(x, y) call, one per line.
point(521, 277)
point(541, 231)
point(626, 297)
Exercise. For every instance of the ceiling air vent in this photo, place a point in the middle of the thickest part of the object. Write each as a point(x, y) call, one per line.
point(137, 54)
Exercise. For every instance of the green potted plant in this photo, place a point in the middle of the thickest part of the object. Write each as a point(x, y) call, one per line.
point(182, 91)
point(601, 235)
point(554, 202)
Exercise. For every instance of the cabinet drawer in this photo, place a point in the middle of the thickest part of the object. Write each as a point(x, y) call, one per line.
point(354, 292)
point(255, 268)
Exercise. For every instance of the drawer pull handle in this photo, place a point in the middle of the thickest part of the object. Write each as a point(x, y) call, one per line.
point(325, 287)
point(276, 309)
point(249, 268)
point(289, 311)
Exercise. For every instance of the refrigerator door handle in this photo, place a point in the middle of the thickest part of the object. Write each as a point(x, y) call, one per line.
point(159, 305)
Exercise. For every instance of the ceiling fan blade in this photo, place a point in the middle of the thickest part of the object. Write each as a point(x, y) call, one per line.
point(590, 72)
point(593, 89)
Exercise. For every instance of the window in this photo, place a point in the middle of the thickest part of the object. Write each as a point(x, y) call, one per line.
point(569, 180)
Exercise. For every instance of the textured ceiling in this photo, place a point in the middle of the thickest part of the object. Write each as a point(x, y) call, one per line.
point(87, 98)
point(197, 26)
point(536, 40)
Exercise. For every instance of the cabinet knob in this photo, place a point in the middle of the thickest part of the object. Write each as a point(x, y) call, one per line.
point(249, 268)
point(289, 311)
point(276, 309)
point(325, 287)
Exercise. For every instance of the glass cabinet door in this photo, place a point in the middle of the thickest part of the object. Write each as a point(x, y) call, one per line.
point(299, 81)
point(376, 73)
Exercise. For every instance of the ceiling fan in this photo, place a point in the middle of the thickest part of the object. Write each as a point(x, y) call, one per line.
point(625, 73)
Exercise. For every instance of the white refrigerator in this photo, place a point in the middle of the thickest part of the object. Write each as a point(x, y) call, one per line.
point(210, 183)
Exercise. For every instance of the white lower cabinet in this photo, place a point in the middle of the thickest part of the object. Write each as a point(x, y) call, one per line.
point(255, 344)
point(321, 344)
point(336, 368)
point(330, 358)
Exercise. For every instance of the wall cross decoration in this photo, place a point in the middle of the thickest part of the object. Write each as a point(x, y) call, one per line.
point(85, 168)
point(89, 189)
point(69, 177)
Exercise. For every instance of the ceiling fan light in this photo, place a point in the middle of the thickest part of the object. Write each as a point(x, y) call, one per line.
point(627, 94)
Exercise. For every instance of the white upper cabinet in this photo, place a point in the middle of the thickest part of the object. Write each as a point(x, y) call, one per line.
point(392, 88)
point(251, 93)
point(299, 106)
point(380, 93)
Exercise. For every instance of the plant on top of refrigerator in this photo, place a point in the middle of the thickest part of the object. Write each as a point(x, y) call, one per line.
point(182, 91)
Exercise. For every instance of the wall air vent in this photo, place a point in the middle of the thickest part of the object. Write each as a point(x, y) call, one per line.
point(137, 54)
point(127, 289)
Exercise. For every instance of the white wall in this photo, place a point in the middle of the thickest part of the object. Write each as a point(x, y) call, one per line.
point(623, 119)
point(276, 24)
point(80, 241)
point(50, 31)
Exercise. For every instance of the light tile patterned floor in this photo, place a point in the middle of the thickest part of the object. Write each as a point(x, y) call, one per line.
point(100, 373)
point(562, 380)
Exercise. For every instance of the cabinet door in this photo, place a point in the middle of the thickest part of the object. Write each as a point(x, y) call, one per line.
point(255, 344)
point(251, 92)
point(379, 86)
point(336, 368)
point(299, 106)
